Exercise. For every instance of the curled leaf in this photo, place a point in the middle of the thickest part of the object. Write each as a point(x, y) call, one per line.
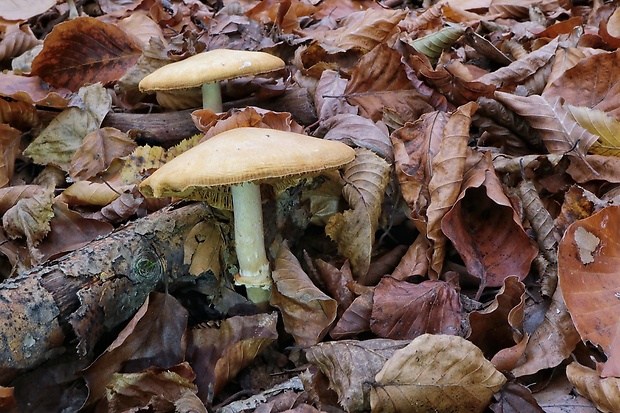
point(354, 231)
point(603, 392)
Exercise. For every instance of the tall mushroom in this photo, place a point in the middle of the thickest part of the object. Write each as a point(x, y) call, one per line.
point(235, 163)
point(207, 69)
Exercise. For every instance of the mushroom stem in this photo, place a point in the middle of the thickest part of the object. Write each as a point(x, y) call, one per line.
point(212, 97)
point(254, 271)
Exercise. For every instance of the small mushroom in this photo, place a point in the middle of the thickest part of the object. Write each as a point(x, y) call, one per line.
point(207, 69)
point(229, 168)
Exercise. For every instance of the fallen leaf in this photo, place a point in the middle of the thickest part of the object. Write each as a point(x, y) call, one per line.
point(603, 392)
point(366, 178)
point(307, 312)
point(587, 273)
point(99, 52)
point(436, 373)
point(350, 365)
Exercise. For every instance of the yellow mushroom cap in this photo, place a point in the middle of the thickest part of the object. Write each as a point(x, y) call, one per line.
point(212, 66)
point(239, 155)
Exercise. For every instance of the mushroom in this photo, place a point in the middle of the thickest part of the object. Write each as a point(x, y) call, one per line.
point(231, 166)
point(207, 69)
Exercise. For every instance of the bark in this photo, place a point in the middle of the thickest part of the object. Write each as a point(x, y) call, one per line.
point(71, 302)
point(169, 128)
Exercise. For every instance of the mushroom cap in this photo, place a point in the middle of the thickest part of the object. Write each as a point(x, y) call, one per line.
point(212, 66)
point(240, 155)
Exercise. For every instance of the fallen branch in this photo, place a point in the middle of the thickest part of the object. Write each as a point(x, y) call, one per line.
point(73, 301)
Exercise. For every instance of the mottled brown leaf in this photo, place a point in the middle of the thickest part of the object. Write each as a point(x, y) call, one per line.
point(97, 151)
point(486, 230)
point(84, 51)
point(447, 168)
point(218, 353)
point(436, 373)
point(588, 273)
point(307, 312)
point(379, 81)
point(366, 178)
point(404, 311)
point(153, 338)
point(349, 364)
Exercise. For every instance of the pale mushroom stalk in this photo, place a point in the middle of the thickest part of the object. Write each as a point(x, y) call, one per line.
point(254, 271)
point(212, 97)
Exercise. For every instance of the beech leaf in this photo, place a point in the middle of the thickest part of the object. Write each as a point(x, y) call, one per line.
point(603, 392)
point(597, 122)
point(307, 312)
point(366, 178)
point(588, 275)
point(349, 364)
point(98, 52)
point(59, 141)
point(436, 373)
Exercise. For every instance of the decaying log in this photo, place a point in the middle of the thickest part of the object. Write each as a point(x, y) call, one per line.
point(70, 302)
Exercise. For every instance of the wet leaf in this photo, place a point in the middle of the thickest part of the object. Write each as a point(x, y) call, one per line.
point(437, 373)
point(354, 230)
point(99, 52)
point(350, 364)
point(307, 312)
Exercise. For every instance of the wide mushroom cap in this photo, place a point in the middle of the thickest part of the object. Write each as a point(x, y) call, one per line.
point(239, 155)
point(208, 67)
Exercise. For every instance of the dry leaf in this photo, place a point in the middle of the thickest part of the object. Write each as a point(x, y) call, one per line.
point(99, 52)
point(202, 248)
point(366, 178)
point(20, 10)
point(307, 312)
point(404, 311)
point(350, 364)
point(436, 373)
point(355, 319)
point(588, 275)
point(604, 392)
point(57, 143)
point(599, 123)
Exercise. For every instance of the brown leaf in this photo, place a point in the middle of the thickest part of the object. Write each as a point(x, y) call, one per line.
point(58, 142)
point(307, 312)
point(32, 90)
point(366, 178)
point(379, 81)
point(349, 364)
point(447, 169)
point(362, 30)
point(10, 139)
point(154, 389)
point(588, 275)
point(436, 373)
point(485, 229)
point(355, 130)
point(500, 325)
point(70, 231)
point(404, 311)
point(515, 398)
point(121, 208)
point(218, 353)
point(552, 341)
point(16, 39)
point(97, 151)
point(202, 248)
point(415, 260)
point(153, 338)
point(329, 98)
point(593, 82)
point(18, 10)
point(20, 115)
point(355, 319)
point(99, 52)
point(337, 281)
point(604, 392)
